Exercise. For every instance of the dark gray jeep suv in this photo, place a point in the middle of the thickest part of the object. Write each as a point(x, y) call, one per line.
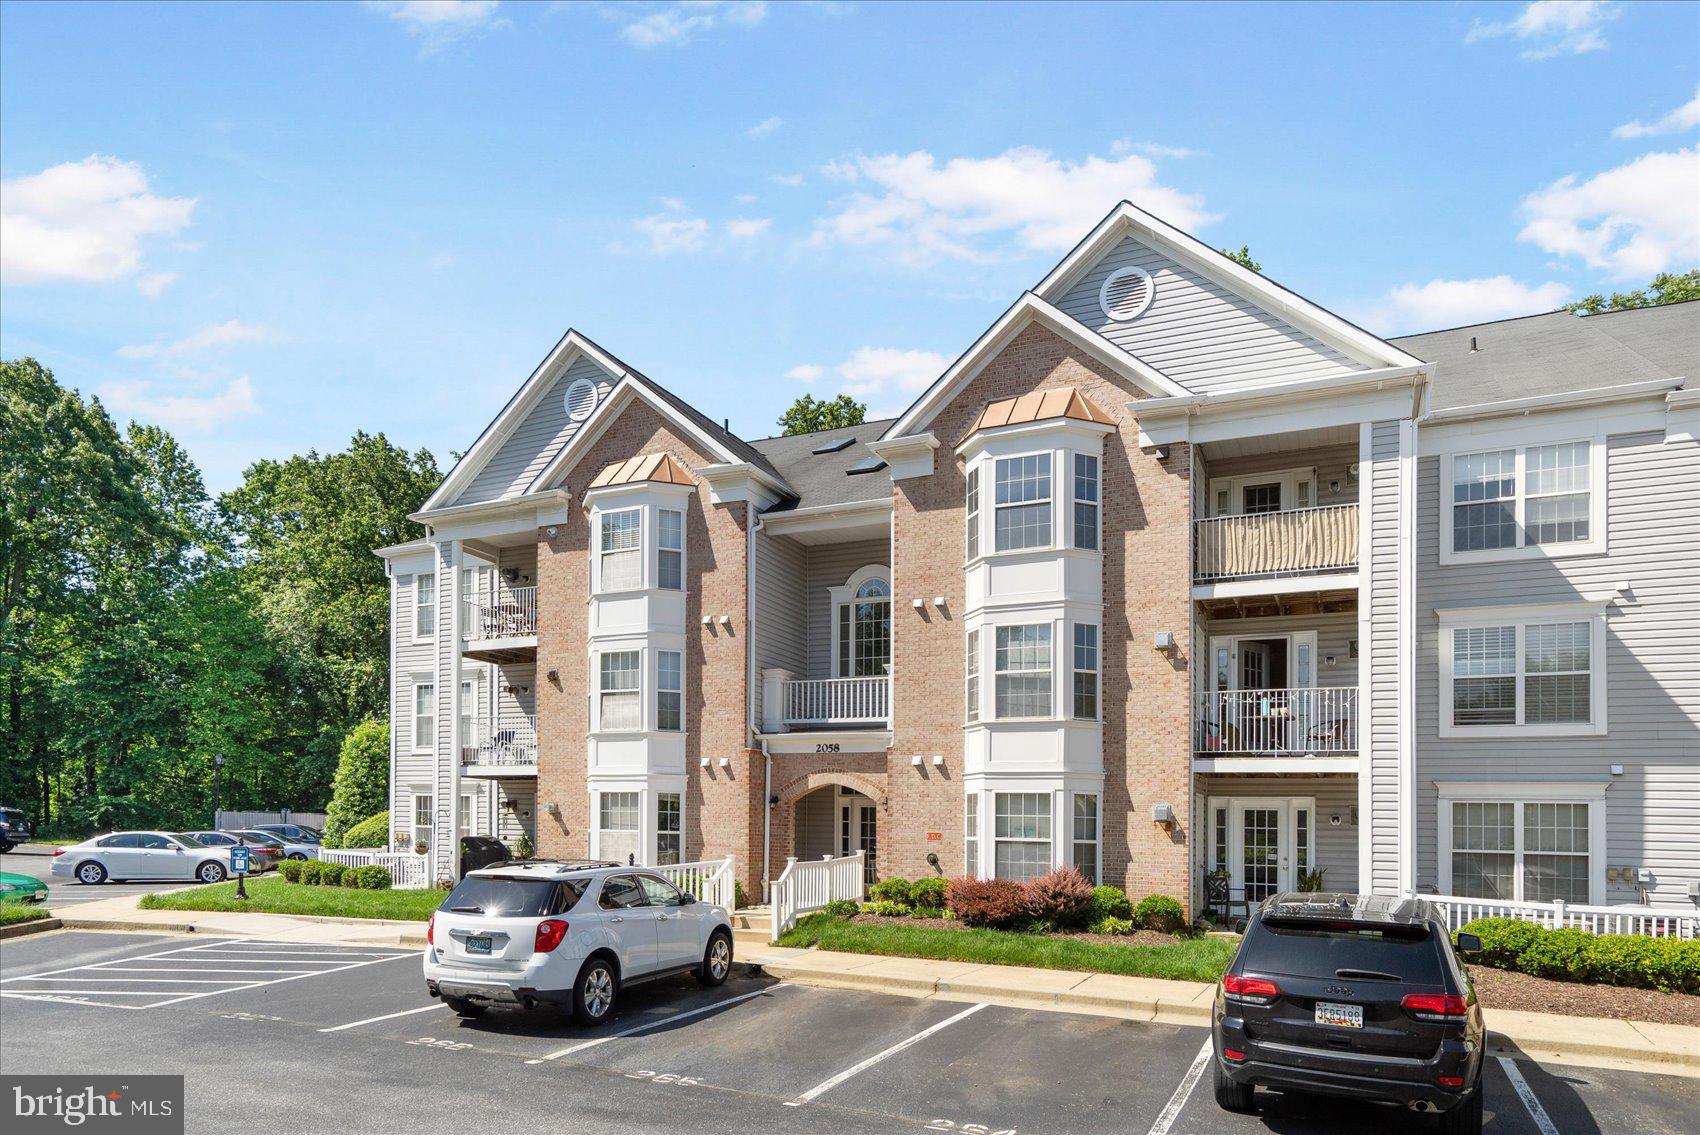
point(1351, 995)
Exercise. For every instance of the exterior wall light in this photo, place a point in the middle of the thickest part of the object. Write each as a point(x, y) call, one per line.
point(1163, 640)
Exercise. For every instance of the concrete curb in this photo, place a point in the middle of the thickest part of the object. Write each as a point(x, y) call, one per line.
point(404, 933)
point(20, 929)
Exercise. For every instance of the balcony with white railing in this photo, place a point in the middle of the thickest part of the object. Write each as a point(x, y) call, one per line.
point(500, 625)
point(814, 703)
point(1264, 545)
point(1278, 723)
point(500, 748)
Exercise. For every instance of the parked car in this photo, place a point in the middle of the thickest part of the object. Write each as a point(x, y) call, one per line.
point(288, 849)
point(480, 851)
point(262, 856)
point(1351, 995)
point(569, 936)
point(293, 833)
point(141, 855)
point(14, 828)
point(21, 888)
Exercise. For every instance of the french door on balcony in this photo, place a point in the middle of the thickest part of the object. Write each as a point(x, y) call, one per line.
point(1257, 701)
point(1265, 843)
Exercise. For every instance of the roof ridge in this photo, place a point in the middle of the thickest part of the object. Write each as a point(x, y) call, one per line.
point(1483, 323)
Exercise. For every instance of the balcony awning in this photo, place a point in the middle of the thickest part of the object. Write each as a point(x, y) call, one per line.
point(1064, 402)
point(649, 467)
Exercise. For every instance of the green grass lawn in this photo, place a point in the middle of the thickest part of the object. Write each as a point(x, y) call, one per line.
point(12, 913)
point(1190, 959)
point(275, 895)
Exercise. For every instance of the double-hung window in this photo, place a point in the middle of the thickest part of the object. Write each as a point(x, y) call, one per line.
point(423, 820)
point(424, 716)
point(1086, 671)
point(621, 550)
point(622, 711)
point(1521, 851)
point(669, 828)
point(617, 826)
point(669, 691)
point(971, 694)
point(670, 541)
point(1086, 835)
point(424, 605)
point(1085, 501)
point(1022, 835)
point(1023, 671)
point(1502, 501)
point(1023, 502)
point(974, 512)
point(971, 835)
point(1540, 676)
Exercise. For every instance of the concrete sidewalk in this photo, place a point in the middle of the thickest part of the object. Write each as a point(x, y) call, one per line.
point(126, 914)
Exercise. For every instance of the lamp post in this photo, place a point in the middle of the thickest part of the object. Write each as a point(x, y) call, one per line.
point(218, 766)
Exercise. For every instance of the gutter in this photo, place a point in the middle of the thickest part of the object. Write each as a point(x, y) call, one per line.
point(1672, 388)
point(436, 516)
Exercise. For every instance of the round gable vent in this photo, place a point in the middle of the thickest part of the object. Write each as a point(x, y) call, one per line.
point(580, 399)
point(1126, 293)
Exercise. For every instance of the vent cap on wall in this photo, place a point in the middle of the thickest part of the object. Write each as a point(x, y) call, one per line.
point(580, 399)
point(1126, 293)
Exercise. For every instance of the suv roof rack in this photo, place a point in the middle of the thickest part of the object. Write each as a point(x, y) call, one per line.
point(566, 864)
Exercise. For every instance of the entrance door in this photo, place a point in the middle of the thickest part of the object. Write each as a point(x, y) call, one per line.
point(1259, 702)
point(1269, 844)
point(856, 830)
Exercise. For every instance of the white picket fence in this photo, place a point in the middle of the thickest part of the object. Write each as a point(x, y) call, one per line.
point(408, 869)
point(1658, 922)
point(808, 885)
point(713, 881)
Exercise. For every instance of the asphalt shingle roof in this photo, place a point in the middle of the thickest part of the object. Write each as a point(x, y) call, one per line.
point(822, 478)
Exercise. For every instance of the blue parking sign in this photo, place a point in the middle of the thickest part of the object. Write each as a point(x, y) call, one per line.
point(239, 860)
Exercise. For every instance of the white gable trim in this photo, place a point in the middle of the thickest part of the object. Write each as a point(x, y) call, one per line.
point(1127, 219)
point(489, 443)
point(1027, 310)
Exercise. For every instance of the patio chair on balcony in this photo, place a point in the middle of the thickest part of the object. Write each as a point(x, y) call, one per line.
point(1219, 896)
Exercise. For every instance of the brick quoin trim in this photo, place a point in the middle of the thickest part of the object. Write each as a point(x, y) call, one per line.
point(1147, 588)
point(722, 805)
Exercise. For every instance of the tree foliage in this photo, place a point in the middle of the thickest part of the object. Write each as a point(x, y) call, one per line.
point(808, 415)
point(360, 788)
point(1243, 258)
point(1665, 288)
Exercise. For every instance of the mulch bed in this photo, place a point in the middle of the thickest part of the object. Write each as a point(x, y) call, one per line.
point(1137, 938)
point(1505, 989)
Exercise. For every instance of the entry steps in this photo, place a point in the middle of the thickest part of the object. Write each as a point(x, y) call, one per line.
point(750, 927)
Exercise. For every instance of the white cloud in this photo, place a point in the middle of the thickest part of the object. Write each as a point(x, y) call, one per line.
point(671, 232)
point(1684, 117)
point(679, 23)
point(1151, 149)
point(438, 23)
point(981, 209)
point(1553, 27)
point(1450, 303)
point(1632, 222)
point(745, 198)
point(887, 378)
point(155, 283)
point(83, 222)
point(204, 339)
point(788, 179)
point(765, 127)
point(192, 413)
point(743, 228)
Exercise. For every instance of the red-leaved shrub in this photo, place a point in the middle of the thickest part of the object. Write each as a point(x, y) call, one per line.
point(994, 903)
point(1063, 898)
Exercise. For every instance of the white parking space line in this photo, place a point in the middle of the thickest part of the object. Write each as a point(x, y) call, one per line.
point(98, 965)
point(146, 980)
point(856, 1069)
point(198, 969)
point(1543, 1121)
point(1172, 1110)
point(385, 1017)
point(65, 997)
point(582, 1045)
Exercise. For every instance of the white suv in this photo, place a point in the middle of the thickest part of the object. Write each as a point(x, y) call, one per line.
point(568, 934)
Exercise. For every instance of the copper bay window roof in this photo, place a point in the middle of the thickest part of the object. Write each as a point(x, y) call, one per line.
point(649, 467)
point(1065, 402)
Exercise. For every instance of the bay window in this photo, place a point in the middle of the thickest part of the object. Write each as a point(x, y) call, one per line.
point(1022, 516)
point(972, 691)
point(669, 691)
point(1085, 857)
point(1085, 501)
point(1021, 835)
point(971, 835)
point(617, 826)
point(1524, 500)
point(621, 709)
point(1523, 672)
point(621, 561)
point(669, 829)
point(670, 556)
point(1085, 672)
point(1022, 671)
point(974, 512)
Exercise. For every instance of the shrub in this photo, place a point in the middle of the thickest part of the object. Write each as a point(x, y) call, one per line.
point(370, 832)
point(372, 877)
point(739, 897)
point(1161, 913)
point(926, 912)
point(290, 869)
point(1111, 902)
point(1113, 925)
point(886, 909)
point(362, 782)
point(892, 891)
point(328, 874)
point(1502, 939)
point(1637, 960)
point(995, 903)
point(523, 848)
point(928, 893)
point(1063, 899)
point(351, 877)
point(841, 908)
point(1557, 954)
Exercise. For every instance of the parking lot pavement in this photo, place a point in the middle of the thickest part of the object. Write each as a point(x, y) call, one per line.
point(36, 861)
point(359, 1047)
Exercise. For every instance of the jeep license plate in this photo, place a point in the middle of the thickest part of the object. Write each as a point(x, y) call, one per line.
point(480, 944)
point(1340, 1016)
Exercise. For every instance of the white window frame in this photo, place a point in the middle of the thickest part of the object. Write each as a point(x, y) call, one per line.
point(1595, 544)
point(1295, 483)
point(1048, 840)
point(599, 801)
point(679, 832)
point(1518, 794)
point(677, 690)
point(1050, 671)
point(467, 723)
point(603, 692)
point(973, 505)
point(414, 826)
point(1075, 671)
point(1096, 503)
point(842, 597)
point(1523, 617)
point(971, 679)
point(971, 835)
point(422, 682)
point(424, 583)
point(1049, 501)
point(602, 553)
point(662, 549)
point(1097, 840)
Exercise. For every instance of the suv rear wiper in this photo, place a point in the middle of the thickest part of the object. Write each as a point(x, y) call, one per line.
point(467, 909)
point(1368, 974)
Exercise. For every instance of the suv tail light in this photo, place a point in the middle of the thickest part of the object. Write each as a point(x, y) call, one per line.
point(549, 934)
point(1252, 990)
point(431, 930)
point(58, 851)
point(1434, 1006)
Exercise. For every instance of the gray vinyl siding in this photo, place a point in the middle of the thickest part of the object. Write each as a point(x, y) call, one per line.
point(1336, 847)
point(535, 441)
point(510, 823)
point(780, 564)
point(448, 669)
point(1334, 635)
point(829, 566)
point(1380, 587)
point(1652, 666)
point(815, 832)
point(1197, 332)
point(512, 708)
point(410, 658)
point(1333, 465)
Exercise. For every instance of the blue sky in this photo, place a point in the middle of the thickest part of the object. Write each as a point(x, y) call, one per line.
point(266, 226)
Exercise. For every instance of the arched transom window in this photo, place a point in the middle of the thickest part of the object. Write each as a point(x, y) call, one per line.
point(864, 625)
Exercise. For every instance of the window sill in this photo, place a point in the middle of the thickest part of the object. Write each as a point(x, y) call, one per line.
point(1031, 553)
point(1584, 729)
point(1513, 555)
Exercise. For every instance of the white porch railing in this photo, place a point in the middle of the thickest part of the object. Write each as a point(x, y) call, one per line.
point(408, 869)
point(712, 881)
point(507, 612)
point(1276, 543)
point(1659, 922)
point(833, 701)
point(1280, 722)
point(808, 885)
point(508, 742)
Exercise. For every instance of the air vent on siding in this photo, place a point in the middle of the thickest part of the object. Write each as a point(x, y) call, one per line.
point(580, 399)
point(1126, 293)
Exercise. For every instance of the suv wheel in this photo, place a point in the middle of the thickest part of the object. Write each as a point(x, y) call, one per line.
point(593, 995)
point(211, 873)
point(92, 874)
point(465, 1008)
point(716, 959)
point(1466, 1118)
point(1229, 1095)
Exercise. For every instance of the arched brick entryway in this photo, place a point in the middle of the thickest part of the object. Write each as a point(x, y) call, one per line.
point(813, 797)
